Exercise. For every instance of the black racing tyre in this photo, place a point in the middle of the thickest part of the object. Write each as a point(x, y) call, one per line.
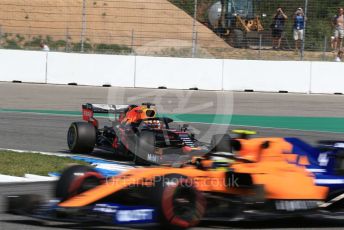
point(179, 204)
point(145, 147)
point(81, 137)
point(221, 143)
point(77, 179)
point(23, 204)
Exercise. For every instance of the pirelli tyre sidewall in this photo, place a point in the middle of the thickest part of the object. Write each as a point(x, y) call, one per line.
point(77, 179)
point(81, 137)
point(180, 205)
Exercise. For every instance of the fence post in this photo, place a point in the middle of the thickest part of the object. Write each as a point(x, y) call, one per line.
point(46, 67)
point(260, 46)
point(67, 47)
point(83, 28)
point(132, 42)
point(325, 48)
point(304, 32)
point(194, 34)
point(0, 36)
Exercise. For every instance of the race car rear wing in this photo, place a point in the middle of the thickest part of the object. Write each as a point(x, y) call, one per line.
point(105, 108)
point(88, 111)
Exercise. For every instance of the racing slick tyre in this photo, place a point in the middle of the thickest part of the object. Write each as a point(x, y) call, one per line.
point(23, 204)
point(179, 204)
point(77, 179)
point(145, 149)
point(81, 137)
point(221, 143)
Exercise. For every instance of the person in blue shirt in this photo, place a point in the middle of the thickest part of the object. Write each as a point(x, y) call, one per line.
point(277, 28)
point(298, 28)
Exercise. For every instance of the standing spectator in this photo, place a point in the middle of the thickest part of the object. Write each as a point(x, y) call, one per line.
point(339, 56)
point(44, 46)
point(298, 28)
point(277, 28)
point(338, 23)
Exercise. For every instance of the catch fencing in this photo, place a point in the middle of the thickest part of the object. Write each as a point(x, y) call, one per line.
point(172, 28)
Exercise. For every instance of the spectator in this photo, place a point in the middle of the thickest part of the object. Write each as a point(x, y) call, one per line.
point(277, 28)
point(44, 46)
point(339, 56)
point(338, 23)
point(298, 28)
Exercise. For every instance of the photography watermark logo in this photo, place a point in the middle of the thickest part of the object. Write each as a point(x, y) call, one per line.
point(231, 181)
point(197, 116)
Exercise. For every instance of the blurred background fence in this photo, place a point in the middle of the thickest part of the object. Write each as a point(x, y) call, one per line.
point(177, 28)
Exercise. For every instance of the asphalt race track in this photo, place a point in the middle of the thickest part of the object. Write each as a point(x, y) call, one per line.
point(47, 132)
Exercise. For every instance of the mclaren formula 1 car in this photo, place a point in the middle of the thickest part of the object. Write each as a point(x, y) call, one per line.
point(325, 161)
point(256, 182)
point(136, 132)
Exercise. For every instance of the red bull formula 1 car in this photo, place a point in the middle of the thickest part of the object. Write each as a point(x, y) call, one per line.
point(136, 132)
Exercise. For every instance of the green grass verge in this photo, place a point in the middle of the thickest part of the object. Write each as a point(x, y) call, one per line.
point(18, 164)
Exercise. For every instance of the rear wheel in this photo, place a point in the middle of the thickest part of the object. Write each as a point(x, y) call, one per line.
point(81, 137)
point(180, 204)
point(221, 143)
point(77, 179)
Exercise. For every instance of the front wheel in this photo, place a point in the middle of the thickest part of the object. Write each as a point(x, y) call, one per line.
point(77, 179)
point(81, 137)
point(24, 204)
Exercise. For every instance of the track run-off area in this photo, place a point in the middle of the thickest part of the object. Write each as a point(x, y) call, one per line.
point(36, 117)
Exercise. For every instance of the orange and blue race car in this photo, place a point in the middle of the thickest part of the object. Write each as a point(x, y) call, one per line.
point(136, 132)
point(254, 182)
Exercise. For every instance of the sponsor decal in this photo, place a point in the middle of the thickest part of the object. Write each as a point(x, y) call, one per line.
point(323, 159)
point(329, 181)
point(135, 215)
point(153, 157)
point(185, 138)
point(106, 208)
point(126, 214)
point(339, 145)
